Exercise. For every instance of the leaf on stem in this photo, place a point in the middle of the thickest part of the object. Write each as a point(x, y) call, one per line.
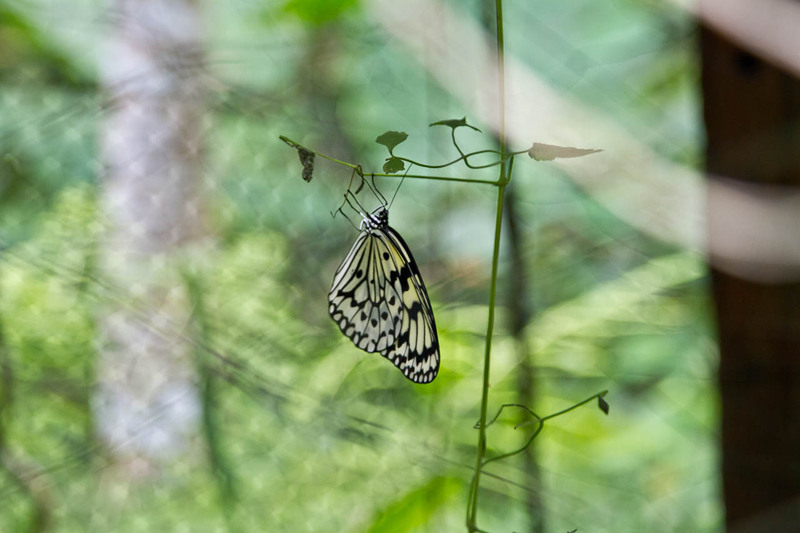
point(454, 123)
point(602, 404)
point(393, 164)
point(390, 139)
point(548, 152)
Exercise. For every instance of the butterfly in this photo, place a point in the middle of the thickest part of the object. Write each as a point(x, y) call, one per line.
point(379, 301)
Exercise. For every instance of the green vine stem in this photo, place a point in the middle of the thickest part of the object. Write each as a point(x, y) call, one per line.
point(540, 420)
point(472, 502)
point(464, 157)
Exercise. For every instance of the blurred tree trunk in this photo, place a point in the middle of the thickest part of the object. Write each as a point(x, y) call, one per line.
point(752, 115)
point(520, 316)
point(147, 404)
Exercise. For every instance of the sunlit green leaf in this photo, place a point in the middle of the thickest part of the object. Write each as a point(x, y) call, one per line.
point(390, 139)
point(454, 123)
point(318, 12)
point(393, 164)
point(415, 508)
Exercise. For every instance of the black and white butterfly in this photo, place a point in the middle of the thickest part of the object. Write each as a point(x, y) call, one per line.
point(379, 301)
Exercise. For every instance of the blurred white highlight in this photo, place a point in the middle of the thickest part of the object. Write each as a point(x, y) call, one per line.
point(768, 28)
point(661, 198)
point(755, 230)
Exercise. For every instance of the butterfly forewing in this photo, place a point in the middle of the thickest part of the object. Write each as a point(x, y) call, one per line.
point(379, 301)
point(364, 299)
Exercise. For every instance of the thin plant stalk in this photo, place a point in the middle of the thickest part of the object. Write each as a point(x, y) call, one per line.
point(472, 506)
point(505, 175)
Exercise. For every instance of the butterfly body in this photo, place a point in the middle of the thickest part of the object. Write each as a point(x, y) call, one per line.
point(379, 301)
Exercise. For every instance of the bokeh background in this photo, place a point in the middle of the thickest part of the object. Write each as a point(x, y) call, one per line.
point(167, 359)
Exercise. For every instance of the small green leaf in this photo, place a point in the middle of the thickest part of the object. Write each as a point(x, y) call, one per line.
point(602, 404)
point(393, 164)
point(390, 139)
point(455, 123)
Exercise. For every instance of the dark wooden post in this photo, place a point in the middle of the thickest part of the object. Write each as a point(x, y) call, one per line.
point(752, 116)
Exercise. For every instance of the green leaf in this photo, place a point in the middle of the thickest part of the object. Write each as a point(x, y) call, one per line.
point(393, 164)
point(454, 123)
point(413, 510)
point(319, 12)
point(390, 139)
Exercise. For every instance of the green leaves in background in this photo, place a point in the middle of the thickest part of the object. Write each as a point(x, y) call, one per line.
point(415, 508)
point(28, 53)
point(610, 307)
point(318, 12)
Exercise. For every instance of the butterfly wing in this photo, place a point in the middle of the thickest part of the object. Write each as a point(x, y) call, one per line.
point(365, 299)
point(416, 351)
point(379, 301)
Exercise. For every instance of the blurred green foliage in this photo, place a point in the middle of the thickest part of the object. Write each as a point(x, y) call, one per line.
point(317, 12)
point(317, 435)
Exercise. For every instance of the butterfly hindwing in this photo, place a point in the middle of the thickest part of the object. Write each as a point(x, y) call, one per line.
point(416, 352)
